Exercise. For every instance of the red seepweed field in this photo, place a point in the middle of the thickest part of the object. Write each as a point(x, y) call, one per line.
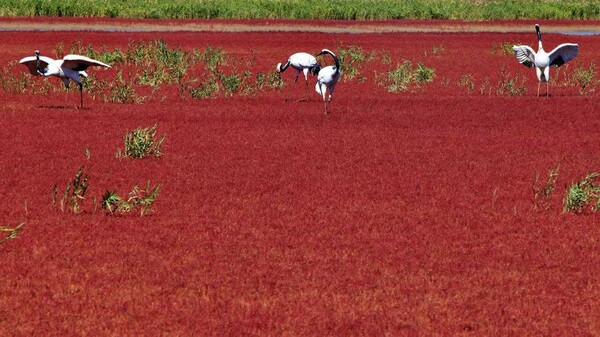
point(398, 214)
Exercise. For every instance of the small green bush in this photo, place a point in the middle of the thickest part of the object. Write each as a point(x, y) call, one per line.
point(511, 85)
point(212, 57)
point(585, 78)
point(143, 199)
point(231, 84)
point(74, 193)
point(206, 89)
point(583, 194)
point(405, 74)
point(424, 74)
point(352, 58)
point(467, 81)
point(142, 142)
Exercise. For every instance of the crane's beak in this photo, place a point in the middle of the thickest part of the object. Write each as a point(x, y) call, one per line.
point(37, 53)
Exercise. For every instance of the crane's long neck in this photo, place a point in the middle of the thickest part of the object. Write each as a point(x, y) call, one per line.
point(37, 63)
point(337, 63)
point(335, 59)
point(539, 35)
point(284, 67)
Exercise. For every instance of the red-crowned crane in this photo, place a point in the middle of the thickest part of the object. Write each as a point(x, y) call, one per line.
point(304, 62)
point(328, 78)
point(70, 67)
point(542, 61)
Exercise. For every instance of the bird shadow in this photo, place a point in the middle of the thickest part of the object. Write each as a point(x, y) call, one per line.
point(296, 100)
point(62, 107)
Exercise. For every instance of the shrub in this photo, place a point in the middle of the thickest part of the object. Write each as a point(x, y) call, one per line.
point(271, 81)
point(74, 193)
point(122, 91)
point(138, 198)
point(511, 86)
point(400, 78)
point(206, 89)
point(405, 74)
point(231, 83)
point(582, 194)
point(142, 142)
point(585, 78)
point(213, 57)
point(467, 81)
point(424, 74)
point(542, 192)
point(351, 59)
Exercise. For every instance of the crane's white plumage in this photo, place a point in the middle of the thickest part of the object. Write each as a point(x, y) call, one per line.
point(328, 78)
point(301, 62)
point(542, 61)
point(70, 67)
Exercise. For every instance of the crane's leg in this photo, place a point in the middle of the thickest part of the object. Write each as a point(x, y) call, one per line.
point(305, 70)
point(539, 83)
point(81, 93)
point(306, 89)
point(324, 92)
point(547, 85)
point(66, 82)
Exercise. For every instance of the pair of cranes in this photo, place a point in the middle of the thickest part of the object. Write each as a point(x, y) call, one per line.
point(327, 77)
point(73, 67)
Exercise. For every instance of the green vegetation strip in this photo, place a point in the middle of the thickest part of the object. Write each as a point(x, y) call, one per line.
point(307, 9)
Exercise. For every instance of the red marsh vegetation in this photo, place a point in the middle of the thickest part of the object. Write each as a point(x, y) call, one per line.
point(402, 214)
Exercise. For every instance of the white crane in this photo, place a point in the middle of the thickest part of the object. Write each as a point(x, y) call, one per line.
point(70, 67)
point(304, 62)
point(542, 61)
point(328, 78)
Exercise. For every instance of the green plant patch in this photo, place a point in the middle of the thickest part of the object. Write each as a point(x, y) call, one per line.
point(142, 142)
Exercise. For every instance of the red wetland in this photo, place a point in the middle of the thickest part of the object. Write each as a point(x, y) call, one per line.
point(396, 214)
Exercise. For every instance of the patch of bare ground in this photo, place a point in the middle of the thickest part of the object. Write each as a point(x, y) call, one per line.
point(322, 26)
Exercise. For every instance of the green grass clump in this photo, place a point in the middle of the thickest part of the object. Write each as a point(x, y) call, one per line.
point(270, 80)
point(583, 194)
point(231, 83)
point(140, 198)
point(424, 74)
point(74, 194)
point(212, 57)
point(119, 90)
point(205, 89)
point(307, 9)
point(352, 58)
point(142, 142)
point(511, 85)
point(406, 75)
point(467, 81)
point(585, 78)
